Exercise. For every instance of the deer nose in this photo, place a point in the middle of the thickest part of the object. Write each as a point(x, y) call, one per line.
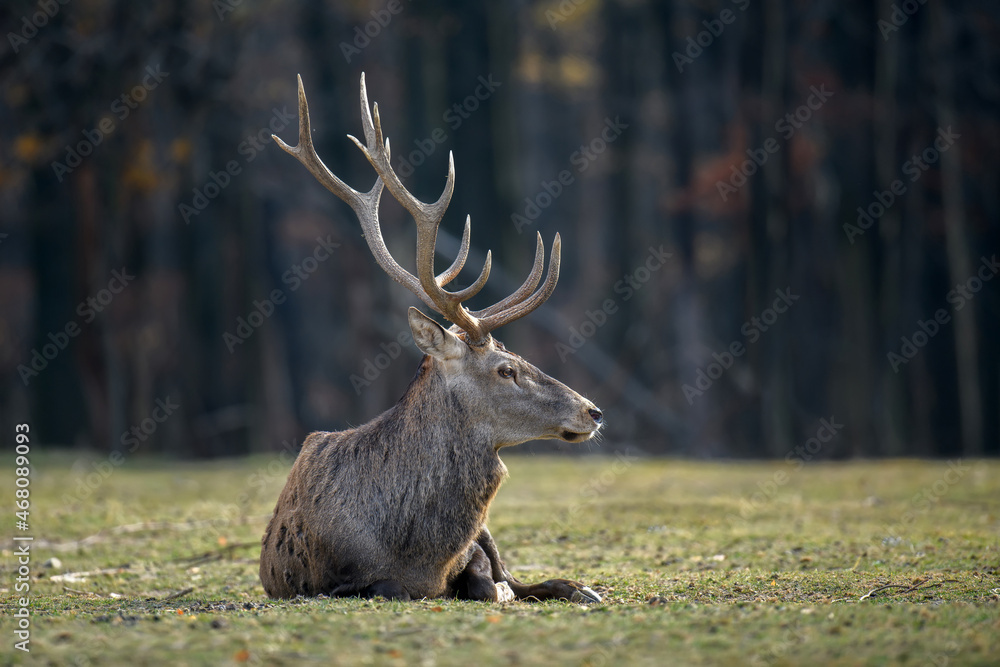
point(596, 415)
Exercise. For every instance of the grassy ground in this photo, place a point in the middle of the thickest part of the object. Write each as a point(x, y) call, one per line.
point(699, 563)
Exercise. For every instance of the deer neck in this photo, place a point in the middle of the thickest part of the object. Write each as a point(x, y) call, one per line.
point(441, 438)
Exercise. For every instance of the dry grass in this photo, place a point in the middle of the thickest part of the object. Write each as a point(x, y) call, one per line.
point(859, 563)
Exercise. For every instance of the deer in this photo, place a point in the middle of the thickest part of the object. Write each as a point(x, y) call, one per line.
point(397, 508)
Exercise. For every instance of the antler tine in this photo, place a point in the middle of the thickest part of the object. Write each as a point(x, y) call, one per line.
point(428, 287)
point(428, 218)
point(372, 232)
point(524, 291)
point(449, 303)
point(497, 320)
point(365, 205)
point(423, 213)
point(305, 153)
point(452, 271)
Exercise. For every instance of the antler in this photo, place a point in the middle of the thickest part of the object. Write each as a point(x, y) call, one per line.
point(428, 287)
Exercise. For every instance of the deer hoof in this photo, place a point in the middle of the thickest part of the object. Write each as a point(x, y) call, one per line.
point(584, 595)
point(504, 592)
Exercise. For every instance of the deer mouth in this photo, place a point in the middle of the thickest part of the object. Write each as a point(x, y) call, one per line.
point(572, 436)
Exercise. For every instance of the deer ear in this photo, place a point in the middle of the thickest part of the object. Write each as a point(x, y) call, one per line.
point(433, 339)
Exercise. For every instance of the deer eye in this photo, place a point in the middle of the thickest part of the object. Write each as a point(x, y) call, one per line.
point(506, 372)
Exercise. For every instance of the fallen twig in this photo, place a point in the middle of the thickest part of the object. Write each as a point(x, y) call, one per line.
point(144, 526)
point(82, 576)
point(908, 588)
point(921, 586)
point(217, 554)
point(180, 593)
point(880, 588)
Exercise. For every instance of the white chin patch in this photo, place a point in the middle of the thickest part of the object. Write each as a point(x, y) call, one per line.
point(504, 592)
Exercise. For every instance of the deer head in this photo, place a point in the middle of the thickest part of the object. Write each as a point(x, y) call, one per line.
point(494, 387)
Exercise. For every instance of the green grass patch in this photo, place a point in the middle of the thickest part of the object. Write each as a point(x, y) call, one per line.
point(700, 563)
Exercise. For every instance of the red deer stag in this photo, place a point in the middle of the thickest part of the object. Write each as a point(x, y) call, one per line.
point(397, 507)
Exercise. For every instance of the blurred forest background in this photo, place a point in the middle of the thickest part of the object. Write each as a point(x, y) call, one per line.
point(705, 162)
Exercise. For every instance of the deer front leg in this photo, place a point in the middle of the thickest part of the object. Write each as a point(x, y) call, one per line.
point(553, 589)
point(475, 581)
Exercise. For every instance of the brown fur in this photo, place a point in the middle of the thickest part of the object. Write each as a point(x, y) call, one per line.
point(398, 506)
